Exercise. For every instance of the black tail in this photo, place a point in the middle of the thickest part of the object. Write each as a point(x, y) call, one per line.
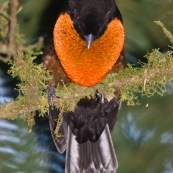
point(86, 136)
point(91, 157)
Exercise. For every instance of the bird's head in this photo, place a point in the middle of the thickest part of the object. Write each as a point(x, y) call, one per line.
point(91, 17)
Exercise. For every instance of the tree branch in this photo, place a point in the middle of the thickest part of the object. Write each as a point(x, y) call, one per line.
point(151, 78)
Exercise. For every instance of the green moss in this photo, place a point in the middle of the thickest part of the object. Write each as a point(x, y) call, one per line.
point(133, 82)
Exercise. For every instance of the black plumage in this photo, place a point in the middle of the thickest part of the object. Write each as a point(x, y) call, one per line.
point(92, 16)
point(86, 132)
point(90, 117)
point(86, 136)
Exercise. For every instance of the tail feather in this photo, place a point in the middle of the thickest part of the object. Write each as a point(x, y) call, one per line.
point(105, 152)
point(87, 137)
point(91, 157)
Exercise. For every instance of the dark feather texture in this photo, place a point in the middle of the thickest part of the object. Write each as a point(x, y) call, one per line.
point(92, 16)
point(89, 119)
point(87, 131)
point(86, 136)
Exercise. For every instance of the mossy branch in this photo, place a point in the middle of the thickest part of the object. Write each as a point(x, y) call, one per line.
point(147, 80)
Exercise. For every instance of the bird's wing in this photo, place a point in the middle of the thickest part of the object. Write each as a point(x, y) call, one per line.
point(60, 142)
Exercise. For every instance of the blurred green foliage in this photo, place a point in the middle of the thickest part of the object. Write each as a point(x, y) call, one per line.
point(141, 32)
point(144, 136)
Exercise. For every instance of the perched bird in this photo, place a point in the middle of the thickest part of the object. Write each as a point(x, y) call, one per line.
point(88, 44)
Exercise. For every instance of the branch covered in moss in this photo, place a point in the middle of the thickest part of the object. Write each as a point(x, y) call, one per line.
point(31, 88)
point(33, 77)
point(151, 78)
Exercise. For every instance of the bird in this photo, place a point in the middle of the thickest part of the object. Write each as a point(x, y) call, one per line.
point(88, 44)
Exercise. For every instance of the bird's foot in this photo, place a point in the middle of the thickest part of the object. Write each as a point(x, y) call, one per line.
point(100, 96)
point(51, 95)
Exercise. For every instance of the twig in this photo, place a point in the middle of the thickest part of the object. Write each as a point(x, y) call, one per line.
point(167, 33)
point(12, 26)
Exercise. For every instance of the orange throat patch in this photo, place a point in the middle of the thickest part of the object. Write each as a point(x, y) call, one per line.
point(83, 66)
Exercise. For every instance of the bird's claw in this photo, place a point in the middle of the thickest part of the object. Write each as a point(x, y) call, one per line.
point(51, 95)
point(100, 96)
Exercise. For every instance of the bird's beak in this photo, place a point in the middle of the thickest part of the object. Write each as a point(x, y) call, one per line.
point(89, 39)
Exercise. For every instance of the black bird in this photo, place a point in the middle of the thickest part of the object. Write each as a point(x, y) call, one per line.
point(88, 44)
